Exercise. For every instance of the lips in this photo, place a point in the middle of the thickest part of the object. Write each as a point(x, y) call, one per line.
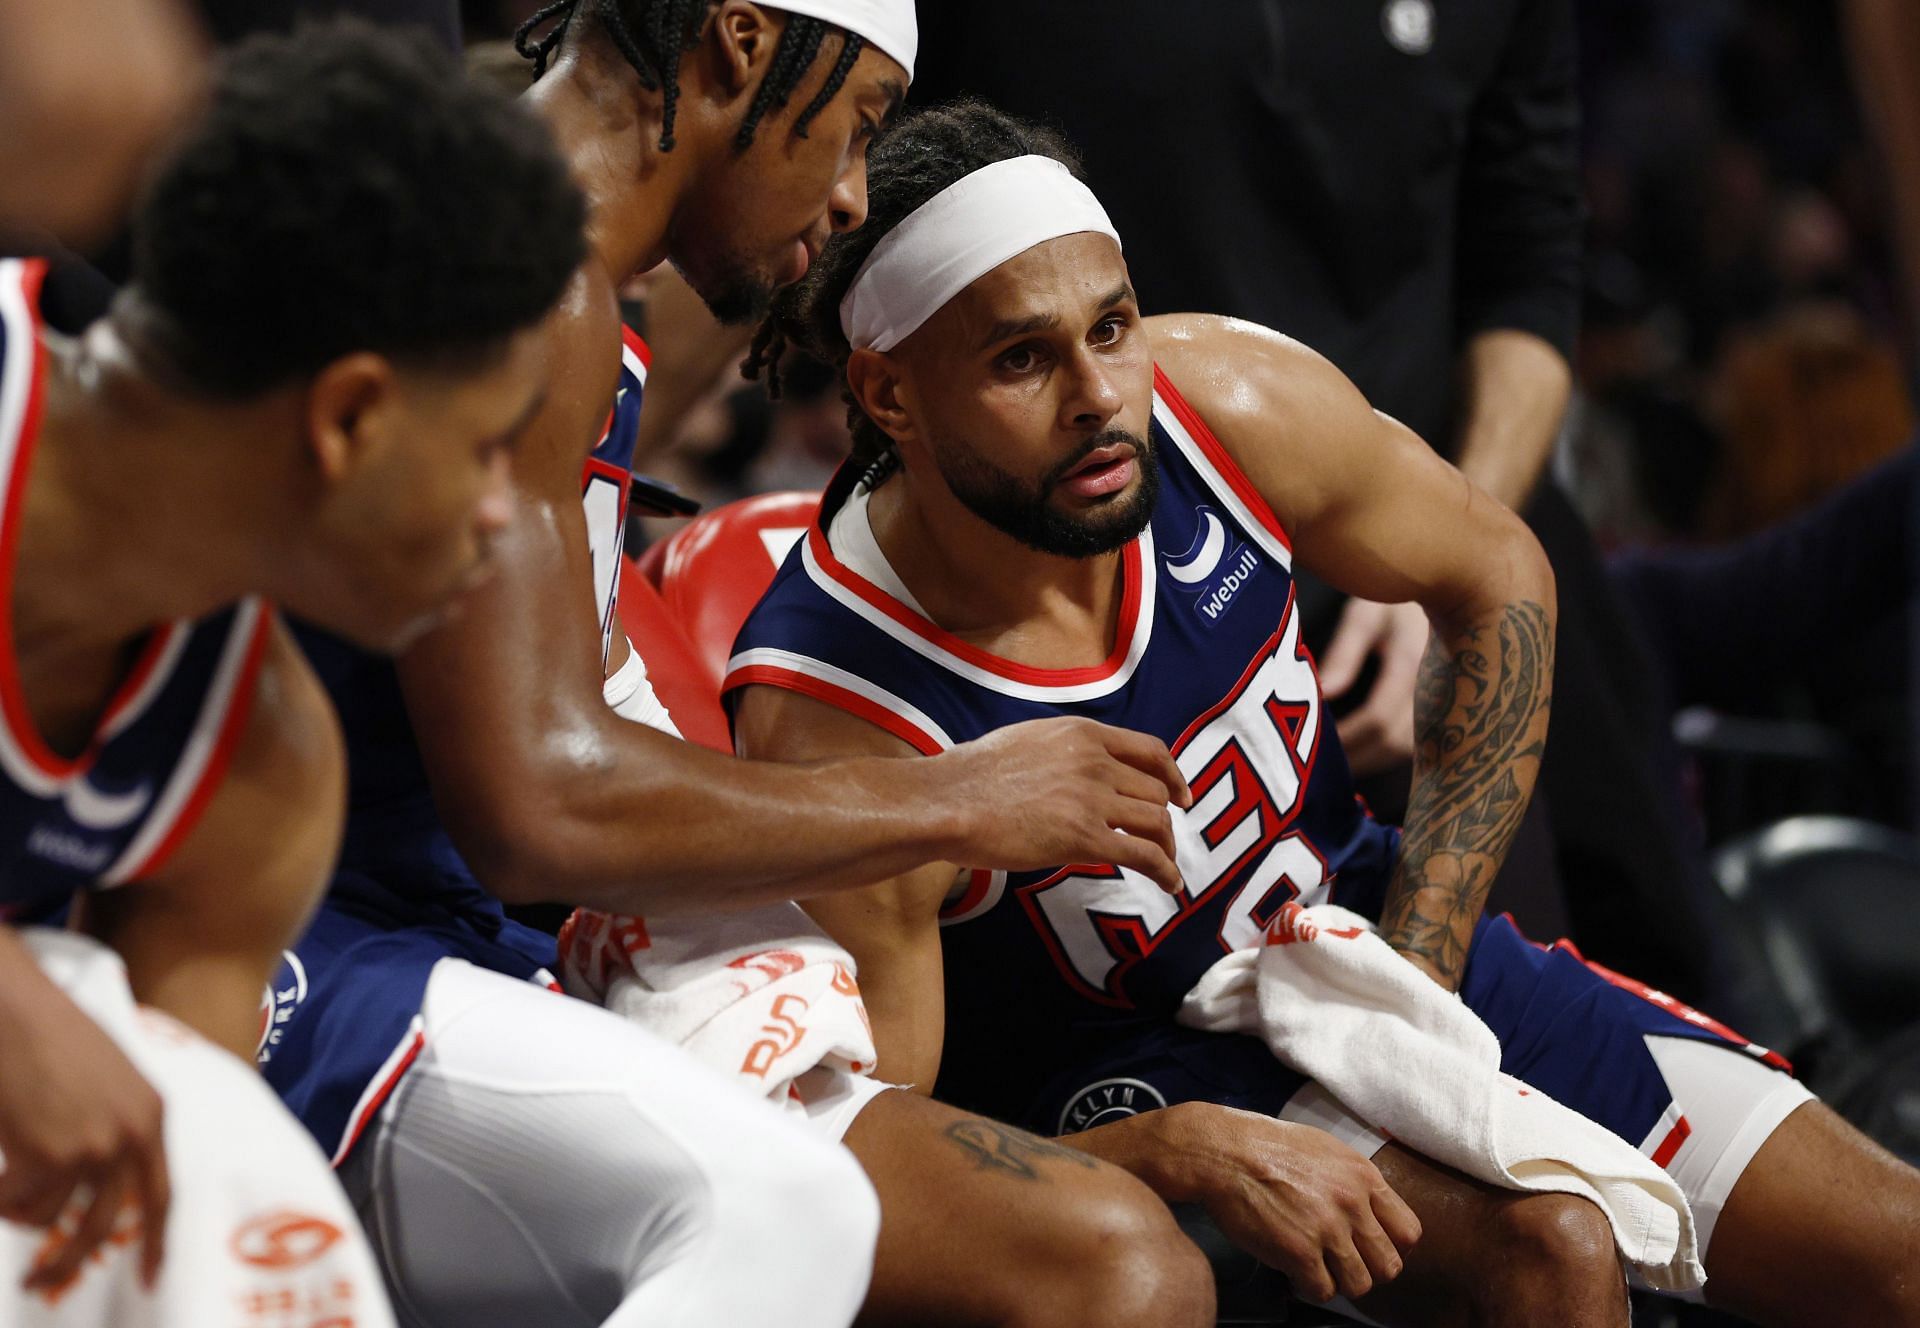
point(1102, 472)
point(1099, 458)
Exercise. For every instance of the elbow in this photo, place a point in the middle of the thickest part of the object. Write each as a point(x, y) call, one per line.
point(518, 858)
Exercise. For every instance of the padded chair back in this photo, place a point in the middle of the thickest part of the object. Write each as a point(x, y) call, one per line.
point(713, 570)
point(1834, 904)
point(674, 664)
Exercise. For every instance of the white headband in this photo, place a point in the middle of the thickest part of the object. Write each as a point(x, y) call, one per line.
point(959, 235)
point(888, 24)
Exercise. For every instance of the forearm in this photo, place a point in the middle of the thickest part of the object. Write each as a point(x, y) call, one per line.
point(647, 824)
point(1514, 389)
point(1481, 712)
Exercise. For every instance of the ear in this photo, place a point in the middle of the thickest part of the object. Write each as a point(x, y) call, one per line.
point(741, 39)
point(881, 391)
point(348, 407)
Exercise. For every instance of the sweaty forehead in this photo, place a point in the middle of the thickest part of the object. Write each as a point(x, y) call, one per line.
point(1065, 279)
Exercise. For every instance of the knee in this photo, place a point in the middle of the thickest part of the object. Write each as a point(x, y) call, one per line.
point(821, 1189)
point(1561, 1246)
point(1120, 1261)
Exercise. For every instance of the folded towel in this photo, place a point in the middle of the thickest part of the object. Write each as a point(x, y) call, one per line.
point(1336, 1003)
point(762, 996)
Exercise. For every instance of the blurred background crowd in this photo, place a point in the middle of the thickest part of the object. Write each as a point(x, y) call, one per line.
point(1739, 443)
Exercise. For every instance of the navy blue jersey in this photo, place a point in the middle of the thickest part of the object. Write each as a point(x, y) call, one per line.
point(340, 1025)
point(158, 752)
point(1207, 657)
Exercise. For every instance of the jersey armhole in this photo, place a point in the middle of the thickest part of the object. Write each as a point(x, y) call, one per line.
point(842, 691)
point(1218, 459)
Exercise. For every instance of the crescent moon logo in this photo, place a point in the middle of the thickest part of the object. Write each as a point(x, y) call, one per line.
point(1198, 562)
point(96, 809)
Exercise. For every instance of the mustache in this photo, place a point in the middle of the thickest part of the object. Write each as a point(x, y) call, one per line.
point(1105, 438)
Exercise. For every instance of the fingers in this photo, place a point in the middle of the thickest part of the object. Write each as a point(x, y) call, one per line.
point(1151, 755)
point(1145, 855)
point(153, 1191)
point(32, 1196)
point(1353, 640)
point(1375, 1249)
point(1397, 1220)
point(1348, 1269)
point(95, 1226)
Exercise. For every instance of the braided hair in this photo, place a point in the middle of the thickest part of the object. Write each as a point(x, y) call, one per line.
point(924, 154)
point(654, 34)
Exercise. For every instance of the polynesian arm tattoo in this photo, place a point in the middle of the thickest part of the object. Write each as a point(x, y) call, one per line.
point(1480, 727)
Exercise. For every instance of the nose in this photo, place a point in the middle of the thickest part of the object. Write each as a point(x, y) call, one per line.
point(1093, 396)
point(847, 204)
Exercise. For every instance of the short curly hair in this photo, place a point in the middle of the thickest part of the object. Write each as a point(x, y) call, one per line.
point(347, 189)
point(924, 154)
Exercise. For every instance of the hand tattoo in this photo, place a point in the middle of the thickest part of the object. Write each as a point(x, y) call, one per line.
point(1480, 729)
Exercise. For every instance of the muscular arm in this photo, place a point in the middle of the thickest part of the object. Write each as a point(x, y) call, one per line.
point(1373, 511)
point(201, 937)
point(892, 929)
point(551, 796)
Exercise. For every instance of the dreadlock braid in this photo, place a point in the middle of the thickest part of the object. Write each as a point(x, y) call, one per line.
point(653, 35)
point(927, 152)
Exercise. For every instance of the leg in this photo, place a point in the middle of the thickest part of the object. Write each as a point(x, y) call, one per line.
point(1492, 1258)
point(547, 1162)
point(1822, 1227)
point(985, 1224)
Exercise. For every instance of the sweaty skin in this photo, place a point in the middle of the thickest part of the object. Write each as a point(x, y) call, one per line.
point(548, 793)
point(1367, 506)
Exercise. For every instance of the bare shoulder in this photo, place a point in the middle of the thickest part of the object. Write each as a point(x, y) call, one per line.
point(774, 724)
point(582, 376)
point(282, 799)
point(1283, 412)
point(1239, 376)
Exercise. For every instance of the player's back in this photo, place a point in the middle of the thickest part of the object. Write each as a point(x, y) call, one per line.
point(1207, 657)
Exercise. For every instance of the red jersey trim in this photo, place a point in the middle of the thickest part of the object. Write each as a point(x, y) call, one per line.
point(1224, 465)
point(384, 1082)
point(1132, 575)
point(631, 340)
point(232, 726)
point(839, 697)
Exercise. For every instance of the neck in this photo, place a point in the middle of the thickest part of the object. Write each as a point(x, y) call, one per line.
point(988, 588)
point(608, 128)
point(141, 507)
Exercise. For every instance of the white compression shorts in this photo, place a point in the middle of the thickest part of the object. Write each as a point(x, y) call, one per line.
point(547, 1162)
point(259, 1234)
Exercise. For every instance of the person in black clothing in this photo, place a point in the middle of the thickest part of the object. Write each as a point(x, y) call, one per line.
point(1394, 182)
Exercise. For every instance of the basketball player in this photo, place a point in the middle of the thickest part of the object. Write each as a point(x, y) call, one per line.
point(520, 1156)
point(1061, 507)
point(307, 396)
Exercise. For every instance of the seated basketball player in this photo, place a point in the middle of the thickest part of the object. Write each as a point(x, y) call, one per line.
point(1059, 507)
point(307, 397)
point(522, 1157)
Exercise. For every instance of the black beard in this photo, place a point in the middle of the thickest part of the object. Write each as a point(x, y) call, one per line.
point(1010, 506)
point(736, 297)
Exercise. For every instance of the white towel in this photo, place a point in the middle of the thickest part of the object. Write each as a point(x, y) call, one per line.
point(1336, 1003)
point(762, 996)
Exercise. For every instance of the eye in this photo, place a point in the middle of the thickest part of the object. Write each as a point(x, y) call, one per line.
point(1108, 330)
point(1020, 360)
point(869, 130)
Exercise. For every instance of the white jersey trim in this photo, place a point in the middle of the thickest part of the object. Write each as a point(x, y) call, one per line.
point(1024, 691)
point(786, 661)
point(16, 390)
point(1250, 525)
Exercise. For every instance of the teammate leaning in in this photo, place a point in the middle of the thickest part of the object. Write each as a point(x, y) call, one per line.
point(307, 397)
point(1058, 506)
point(520, 1156)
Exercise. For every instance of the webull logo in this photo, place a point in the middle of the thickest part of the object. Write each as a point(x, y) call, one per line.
point(1198, 570)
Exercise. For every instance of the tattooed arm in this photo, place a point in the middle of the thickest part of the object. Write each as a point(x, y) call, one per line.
point(1372, 510)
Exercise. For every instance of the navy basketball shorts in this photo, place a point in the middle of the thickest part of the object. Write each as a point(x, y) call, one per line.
point(1688, 1092)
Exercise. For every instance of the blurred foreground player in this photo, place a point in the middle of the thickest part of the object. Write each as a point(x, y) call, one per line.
point(308, 394)
point(1058, 507)
point(520, 1156)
